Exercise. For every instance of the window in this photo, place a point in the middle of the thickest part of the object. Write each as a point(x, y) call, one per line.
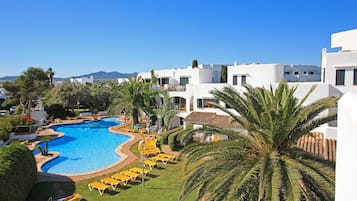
point(354, 76)
point(183, 81)
point(340, 77)
point(207, 102)
point(199, 103)
point(244, 80)
point(311, 73)
point(234, 80)
point(287, 73)
point(296, 73)
point(163, 81)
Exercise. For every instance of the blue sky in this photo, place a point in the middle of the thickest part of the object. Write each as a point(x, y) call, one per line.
point(79, 36)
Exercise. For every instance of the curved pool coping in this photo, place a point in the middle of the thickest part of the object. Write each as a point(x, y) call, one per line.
point(123, 150)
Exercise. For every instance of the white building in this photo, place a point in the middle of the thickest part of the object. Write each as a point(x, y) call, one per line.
point(190, 87)
point(181, 83)
point(122, 80)
point(302, 73)
point(340, 68)
point(2, 96)
point(82, 80)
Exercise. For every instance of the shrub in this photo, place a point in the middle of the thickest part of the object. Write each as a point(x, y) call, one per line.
point(56, 110)
point(174, 142)
point(164, 136)
point(18, 172)
point(5, 129)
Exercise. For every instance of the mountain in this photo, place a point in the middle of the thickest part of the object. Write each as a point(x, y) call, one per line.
point(13, 78)
point(100, 75)
point(8, 78)
point(107, 76)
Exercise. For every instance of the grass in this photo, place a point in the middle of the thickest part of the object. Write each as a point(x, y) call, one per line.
point(162, 185)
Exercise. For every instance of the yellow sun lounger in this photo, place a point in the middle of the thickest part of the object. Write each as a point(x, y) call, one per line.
point(150, 163)
point(122, 178)
point(112, 182)
point(139, 171)
point(151, 151)
point(99, 186)
point(130, 174)
point(73, 197)
point(164, 160)
point(169, 156)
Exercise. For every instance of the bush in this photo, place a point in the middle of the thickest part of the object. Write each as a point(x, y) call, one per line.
point(5, 129)
point(56, 111)
point(18, 172)
point(164, 136)
point(174, 142)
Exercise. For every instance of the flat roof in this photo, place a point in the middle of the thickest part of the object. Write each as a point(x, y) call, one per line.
point(213, 119)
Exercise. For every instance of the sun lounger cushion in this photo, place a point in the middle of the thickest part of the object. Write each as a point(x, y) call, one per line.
point(150, 163)
point(99, 186)
point(112, 182)
point(125, 179)
point(139, 170)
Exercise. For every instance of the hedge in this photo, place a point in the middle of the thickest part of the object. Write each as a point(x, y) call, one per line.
point(18, 172)
point(174, 141)
point(164, 136)
point(56, 111)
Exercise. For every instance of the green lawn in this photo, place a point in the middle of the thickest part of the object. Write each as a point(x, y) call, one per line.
point(163, 184)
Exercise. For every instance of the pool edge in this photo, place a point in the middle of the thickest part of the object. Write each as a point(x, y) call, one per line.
point(123, 150)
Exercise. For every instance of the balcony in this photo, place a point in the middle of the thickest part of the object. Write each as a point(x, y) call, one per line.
point(177, 88)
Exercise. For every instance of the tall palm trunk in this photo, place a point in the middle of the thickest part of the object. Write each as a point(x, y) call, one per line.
point(29, 107)
point(135, 116)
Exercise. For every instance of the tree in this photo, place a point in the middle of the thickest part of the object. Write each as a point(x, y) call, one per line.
point(28, 87)
point(44, 151)
point(51, 74)
point(165, 112)
point(194, 63)
point(130, 99)
point(98, 97)
point(67, 94)
point(153, 80)
point(223, 74)
point(263, 162)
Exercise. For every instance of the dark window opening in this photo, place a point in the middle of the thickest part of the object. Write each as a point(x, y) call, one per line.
point(244, 80)
point(199, 103)
point(183, 81)
point(340, 77)
point(234, 80)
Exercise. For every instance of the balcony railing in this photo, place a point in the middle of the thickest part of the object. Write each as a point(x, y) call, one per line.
point(177, 88)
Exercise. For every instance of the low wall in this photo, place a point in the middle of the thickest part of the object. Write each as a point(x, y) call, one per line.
point(23, 137)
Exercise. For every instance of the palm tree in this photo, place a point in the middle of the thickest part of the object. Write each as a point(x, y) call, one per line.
point(51, 74)
point(263, 162)
point(165, 112)
point(130, 99)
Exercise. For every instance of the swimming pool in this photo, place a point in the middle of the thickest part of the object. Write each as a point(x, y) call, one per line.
point(85, 147)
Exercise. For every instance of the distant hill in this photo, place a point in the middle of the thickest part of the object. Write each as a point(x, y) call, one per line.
point(13, 78)
point(109, 75)
point(8, 78)
point(100, 75)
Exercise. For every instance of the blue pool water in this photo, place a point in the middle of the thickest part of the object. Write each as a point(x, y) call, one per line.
point(85, 147)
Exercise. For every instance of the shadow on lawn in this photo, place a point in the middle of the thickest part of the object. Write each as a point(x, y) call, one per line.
point(44, 190)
